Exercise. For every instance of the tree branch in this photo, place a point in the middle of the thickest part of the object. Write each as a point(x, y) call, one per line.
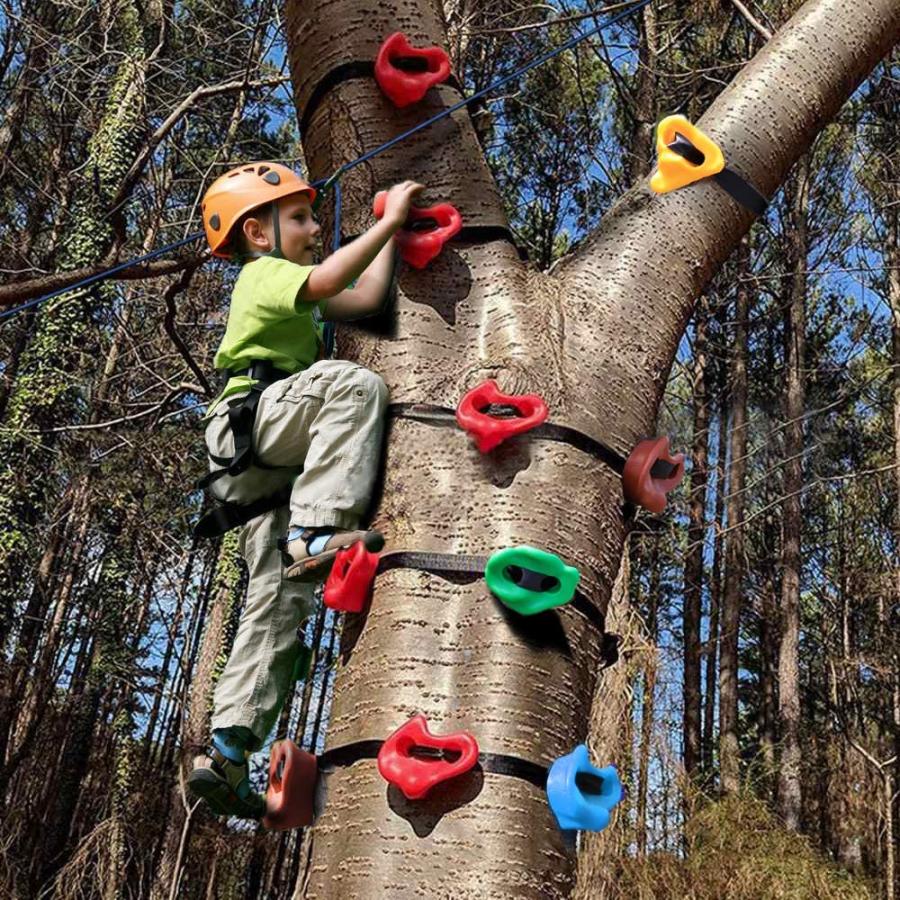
point(754, 22)
point(169, 324)
point(175, 116)
point(27, 290)
point(653, 254)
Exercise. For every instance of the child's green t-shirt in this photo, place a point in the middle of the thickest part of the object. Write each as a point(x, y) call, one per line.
point(267, 321)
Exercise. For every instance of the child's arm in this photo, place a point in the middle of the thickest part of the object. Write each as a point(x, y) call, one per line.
point(369, 293)
point(349, 262)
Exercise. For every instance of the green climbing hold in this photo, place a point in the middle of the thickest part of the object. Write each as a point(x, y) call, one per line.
point(529, 580)
point(303, 663)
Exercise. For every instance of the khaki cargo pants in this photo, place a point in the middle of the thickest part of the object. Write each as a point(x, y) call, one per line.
point(324, 425)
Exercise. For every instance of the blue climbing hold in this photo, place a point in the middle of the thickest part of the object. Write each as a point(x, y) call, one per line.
point(580, 795)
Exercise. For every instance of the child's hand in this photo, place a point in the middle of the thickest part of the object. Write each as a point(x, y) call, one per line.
point(398, 200)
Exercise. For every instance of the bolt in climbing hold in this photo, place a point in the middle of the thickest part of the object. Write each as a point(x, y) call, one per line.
point(704, 158)
point(405, 73)
point(650, 473)
point(490, 430)
point(529, 580)
point(350, 579)
point(292, 787)
point(580, 795)
point(426, 231)
point(413, 759)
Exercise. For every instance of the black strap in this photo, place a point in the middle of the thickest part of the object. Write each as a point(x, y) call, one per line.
point(433, 562)
point(514, 766)
point(226, 516)
point(442, 415)
point(259, 370)
point(360, 68)
point(742, 191)
point(474, 566)
point(241, 416)
point(684, 148)
point(729, 180)
point(348, 754)
point(495, 763)
point(473, 234)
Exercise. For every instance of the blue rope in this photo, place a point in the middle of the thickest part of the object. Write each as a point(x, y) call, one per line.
point(93, 278)
point(325, 184)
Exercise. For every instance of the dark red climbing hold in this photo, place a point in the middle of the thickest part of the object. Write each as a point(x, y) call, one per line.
point(350, 579)
point(292, 787)
point(414, 760)
point(426, 231)
point(406, 73)
point(650, 473)
point(490, 430)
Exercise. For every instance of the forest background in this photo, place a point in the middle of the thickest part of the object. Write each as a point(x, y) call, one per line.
point(114, 623)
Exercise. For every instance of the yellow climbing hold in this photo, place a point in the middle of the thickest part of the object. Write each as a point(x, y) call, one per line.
point(704, 158)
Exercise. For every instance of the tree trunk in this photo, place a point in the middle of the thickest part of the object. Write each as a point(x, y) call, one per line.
point(892, 261)
point(227, 598)
point(715, 592)
point(768, 652)
point(43, 389)
point(610, 739)
point(648, 700)
point(693, 559)
point(442, 648)
point(770, 622)
point(729, 739)
point(789, 780)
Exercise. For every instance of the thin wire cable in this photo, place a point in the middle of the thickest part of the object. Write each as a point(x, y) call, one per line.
point(328, 183)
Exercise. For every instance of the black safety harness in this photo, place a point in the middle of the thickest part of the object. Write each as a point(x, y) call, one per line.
point(241, 416)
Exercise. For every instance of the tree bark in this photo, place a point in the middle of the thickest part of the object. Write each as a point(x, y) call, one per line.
point(789, 781)
point(442, 648)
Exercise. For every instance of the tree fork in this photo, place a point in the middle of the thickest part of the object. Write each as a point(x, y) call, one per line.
point(624, 299)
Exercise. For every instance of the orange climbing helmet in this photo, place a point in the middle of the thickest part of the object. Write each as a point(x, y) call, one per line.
point(242, 189)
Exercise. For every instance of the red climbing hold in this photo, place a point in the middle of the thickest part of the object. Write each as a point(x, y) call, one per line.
point(412, 758)
point(490, 430)
point(292, 787)
point(406, 73)
point(426, 230)
point(347, 587)
point(650, 473)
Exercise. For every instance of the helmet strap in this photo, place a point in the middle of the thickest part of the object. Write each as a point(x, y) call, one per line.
point(276, 225)
point(276, 252)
